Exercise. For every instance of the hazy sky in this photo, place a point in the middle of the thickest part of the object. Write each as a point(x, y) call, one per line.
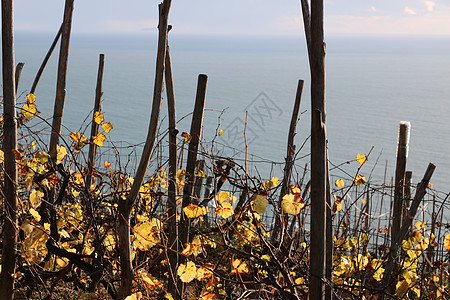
point(239, 17)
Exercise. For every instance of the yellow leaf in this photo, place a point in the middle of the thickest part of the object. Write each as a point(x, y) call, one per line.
point(99, 139)
point(338, 204)
point(33, 144)
point(75, 192)
point(259, 204)
point(62, 152)
point(238, 266)
point(135, 296)
point(359, 180)
point(31, 98)
point(150, 282)
point(224, 210)
point(107, 127)
point(202, 174)
point(168, 296)
point(193, 211)
point(363, 200)
point(35, 198)
point(222, 197)
point(271, 183)
point(187, 136)
point(361, 158)
point(300, 280)
point(205, 272)
point(195, 248)
point(98, 117)
point(290, 206)
point(419, 225)
point(265, 257)
point(79, 139)
point(187, 272)
point(28, 110)
point(295, 189)
point(35, 214)
point(107, 164)
point(220, 132)
point(2, 156)
point(147, 234)
point(339, 183)
point(34, 248)
point(447, 242)
point(42, 156)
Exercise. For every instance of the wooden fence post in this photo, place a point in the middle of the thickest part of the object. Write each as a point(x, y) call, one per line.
point(94, 125)
point(318, 152)
point(19, 68)
point(398, 205)
point(290, 155)
point(125, 206)
point(46, 59)
point(388, 278)
point(9, 144)
point(196, 130)
point(174, 287)
point(60, 99)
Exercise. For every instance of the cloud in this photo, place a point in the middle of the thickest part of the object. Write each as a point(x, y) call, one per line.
point(409, 11)
point(373, 9)
point(439, 24)
point(430, 5)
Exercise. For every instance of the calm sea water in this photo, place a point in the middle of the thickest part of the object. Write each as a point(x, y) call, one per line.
point(372, 84)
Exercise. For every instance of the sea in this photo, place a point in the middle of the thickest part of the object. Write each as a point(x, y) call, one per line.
point(372, 83)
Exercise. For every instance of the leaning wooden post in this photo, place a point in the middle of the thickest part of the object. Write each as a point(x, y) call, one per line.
point(290, 155)
point(388, 278)
point(9, 144)
point(402, 154)
point(46, 59)
point(60, 99)
point(94, 125)
point(125, 206)
point(173, 245)
point(196, 131)
point(318, 153)
point(19, 68)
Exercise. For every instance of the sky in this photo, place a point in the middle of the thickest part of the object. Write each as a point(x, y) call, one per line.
point(239, 17)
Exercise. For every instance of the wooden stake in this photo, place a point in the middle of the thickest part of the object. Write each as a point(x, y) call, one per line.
point(95, 126)
point(9, 144)
point(46, 59)
point(318, 152)
point(289, 161)
point(402, 154)
point(388, 278)
point(196, 131)
point(60, 99)
point(174, 287)
point(126, 205)
point(17, 76)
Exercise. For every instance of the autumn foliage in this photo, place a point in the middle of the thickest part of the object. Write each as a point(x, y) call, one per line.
point(69, 233)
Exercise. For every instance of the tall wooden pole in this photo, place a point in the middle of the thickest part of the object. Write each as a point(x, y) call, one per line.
point(279, 228)
point(60, 99)
point(318, 153)
point(174, 287)
point(389, 277)
point(125, 206)
point(400, 172)
point(196, 131)
point(94, 125)
point(9, 144)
